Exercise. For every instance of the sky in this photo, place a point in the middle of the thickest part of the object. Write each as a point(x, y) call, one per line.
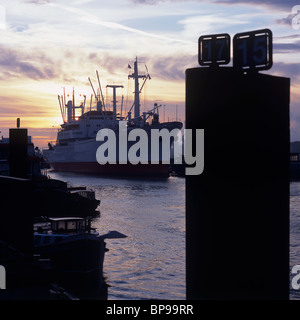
point(48, 45)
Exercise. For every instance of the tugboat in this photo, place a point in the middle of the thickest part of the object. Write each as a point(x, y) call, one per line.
point(76, 146)
point(71, 244)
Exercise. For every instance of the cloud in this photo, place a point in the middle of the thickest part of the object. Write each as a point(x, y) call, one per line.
point(287, 20)
point(286, 47)
point(10, 110)
point(171, 68)
point(93, 19)
point(39, 2)
point(290, 36)
point(271, 3)
point(17, 64)
point(151, 2)
point(287, 70)
point(110, 63)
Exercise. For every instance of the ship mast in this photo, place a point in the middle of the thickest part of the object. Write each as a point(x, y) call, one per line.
point(135, 75)
point(114, 99)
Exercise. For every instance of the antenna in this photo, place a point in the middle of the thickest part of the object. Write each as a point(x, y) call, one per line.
point(73, 105)
point(103, 113)
point(100, 89)
point(61, 109)
point(122, 106)
point(83, 107)
point(91, 102)
point(64, 96)
point(148, 75)
point(93, 89)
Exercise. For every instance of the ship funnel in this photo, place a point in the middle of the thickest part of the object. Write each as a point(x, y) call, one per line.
point(70, 110)
point(99, 106)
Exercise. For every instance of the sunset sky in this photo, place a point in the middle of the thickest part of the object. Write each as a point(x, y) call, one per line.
point(46, 45)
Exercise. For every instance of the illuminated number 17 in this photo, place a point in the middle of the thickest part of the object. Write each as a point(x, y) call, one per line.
point(207, 48)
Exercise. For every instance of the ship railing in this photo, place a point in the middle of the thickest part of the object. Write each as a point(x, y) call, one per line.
point(145, 116)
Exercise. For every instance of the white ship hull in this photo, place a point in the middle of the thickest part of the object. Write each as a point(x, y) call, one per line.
point(80, 156)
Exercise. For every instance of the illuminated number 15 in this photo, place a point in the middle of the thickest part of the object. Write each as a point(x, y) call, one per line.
point(260, 50)
point(253, 50)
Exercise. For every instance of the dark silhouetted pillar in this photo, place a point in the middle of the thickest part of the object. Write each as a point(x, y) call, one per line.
point(18, 153)
point(237, 210)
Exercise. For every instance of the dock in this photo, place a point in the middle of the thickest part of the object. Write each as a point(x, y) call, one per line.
point(28, 276)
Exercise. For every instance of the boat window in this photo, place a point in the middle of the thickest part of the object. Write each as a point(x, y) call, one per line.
point(61, 226)
point(81, 225)
point(71, 225)
point(294, 157)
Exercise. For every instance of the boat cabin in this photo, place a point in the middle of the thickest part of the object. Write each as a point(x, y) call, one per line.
point(54, 230)
point(65, 225)
point(70, 224)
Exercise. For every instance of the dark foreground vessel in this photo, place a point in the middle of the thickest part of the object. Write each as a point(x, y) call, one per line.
point(71, 244)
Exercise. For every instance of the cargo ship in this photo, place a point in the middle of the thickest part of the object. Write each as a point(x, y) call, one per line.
point(76, 145)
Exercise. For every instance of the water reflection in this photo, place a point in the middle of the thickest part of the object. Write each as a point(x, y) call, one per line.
point(150, 262)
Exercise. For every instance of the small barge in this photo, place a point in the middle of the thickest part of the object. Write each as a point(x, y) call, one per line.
point(71, 244)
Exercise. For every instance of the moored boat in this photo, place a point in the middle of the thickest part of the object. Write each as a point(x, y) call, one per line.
point(71, 244)
point(54, 198)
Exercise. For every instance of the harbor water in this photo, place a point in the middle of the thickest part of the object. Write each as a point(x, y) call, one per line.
point(150, 262)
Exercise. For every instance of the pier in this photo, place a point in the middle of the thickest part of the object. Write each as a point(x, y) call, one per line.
point(31, 276)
